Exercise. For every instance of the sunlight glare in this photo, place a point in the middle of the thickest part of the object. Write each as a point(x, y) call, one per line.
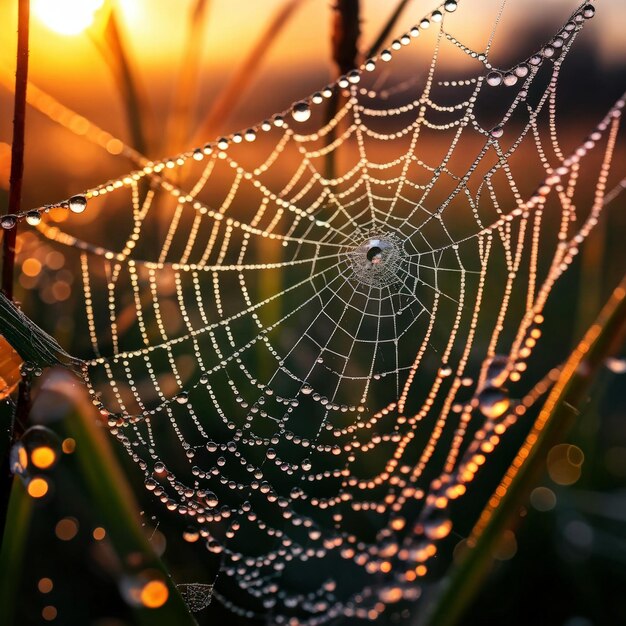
point(67, 17)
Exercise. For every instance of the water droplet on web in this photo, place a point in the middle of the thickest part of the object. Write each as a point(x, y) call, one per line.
point(496, 371)
point(33, 218)
point(450, 6)
point(77, 204)
point(214, 546)
point(8, 221)
point(588, 11)
point(250, 135)
point(159, 467)
point(306, 465)
point(522, 70)
point(509, 80)
point(497, 132)
point(535, 60)
point(191, 534)
point(494, 79)
point(182, 398)
point(436, 523)
point(301, 111)
point(445, 371)
point(385, 55)
point(354, 76)
point(493, 402)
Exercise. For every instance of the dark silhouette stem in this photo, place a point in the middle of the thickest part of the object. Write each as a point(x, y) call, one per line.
point(17, 146)
point(17, 420)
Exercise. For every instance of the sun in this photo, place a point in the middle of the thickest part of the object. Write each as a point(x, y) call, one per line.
point(67, 17)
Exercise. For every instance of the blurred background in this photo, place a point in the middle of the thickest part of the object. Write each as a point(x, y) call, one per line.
point(563, 562)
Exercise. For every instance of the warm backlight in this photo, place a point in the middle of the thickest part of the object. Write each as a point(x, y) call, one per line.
point(66, 17)
point(43, 457)
point(37, 487)
point(154, 594)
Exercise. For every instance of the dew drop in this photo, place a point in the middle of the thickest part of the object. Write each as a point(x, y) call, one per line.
point(317, 98)
point(191, 534)
point(250, 135)
point(301, 111)
point(214, 547)
point(354, 76)
point(159, 467)
point(370, 65)
point(493, 402)
point(509, 79)
point(306, 465)
point(450, 6)
point(78, 204)
point(33, 218)
point(497, 132)
point(385, 55)
point(8, 221)
point(535, 60)
point(436, 16)
point(494, 79)
point(521, 70)
point(182, 398)
point(445, 371)
point(437, 524)
point(496, 371)
point(588, 11)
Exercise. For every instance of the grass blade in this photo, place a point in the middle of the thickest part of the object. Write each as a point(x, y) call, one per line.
point(181, 114)
point(557, 413)
point(229, 97)
point(13, 543)
point(115, 501)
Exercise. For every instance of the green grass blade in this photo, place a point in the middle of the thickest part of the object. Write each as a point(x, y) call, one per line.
point(13, 544)
point(114, 499)
point(557, 413)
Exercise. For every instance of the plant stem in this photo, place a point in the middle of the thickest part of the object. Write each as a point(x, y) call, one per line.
point(230, 96)
point(345, 51)
point(8, 247)
point(114, 52)
point(554, 418)
point(17, 145)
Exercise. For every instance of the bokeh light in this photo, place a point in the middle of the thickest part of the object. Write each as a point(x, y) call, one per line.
point(67, 17)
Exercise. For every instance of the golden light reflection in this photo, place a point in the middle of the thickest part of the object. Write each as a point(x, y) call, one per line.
point(67, 17)
point(37, 487)
point(43, 457)
point(99, 533)
point(154, 594)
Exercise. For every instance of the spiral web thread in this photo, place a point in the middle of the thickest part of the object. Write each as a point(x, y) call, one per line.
point(337, 356)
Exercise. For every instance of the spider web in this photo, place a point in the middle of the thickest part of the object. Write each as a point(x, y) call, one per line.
point(311, 346)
